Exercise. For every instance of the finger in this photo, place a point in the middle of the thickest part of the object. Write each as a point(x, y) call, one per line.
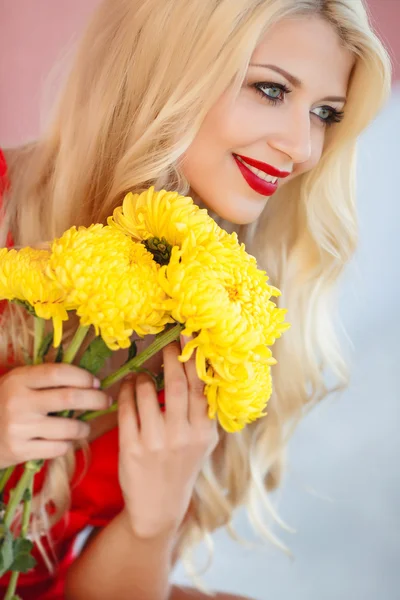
point(70, 398)
point(47, 449)
point(127, 414)
point(57, 428)
point(176, 386)
point(151, 419)
point(198, 407)
point(53, 375)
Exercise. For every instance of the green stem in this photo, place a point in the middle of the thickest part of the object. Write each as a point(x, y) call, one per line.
point(26, 515)
point(76, 343)
point(39, 334)
point(12, 586)
point(89, 415)
point(164, 338)
point(70, 354)
point(5, 476)
point(31, 468)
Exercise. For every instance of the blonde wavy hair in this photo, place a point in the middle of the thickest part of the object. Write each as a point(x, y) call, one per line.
point(145, 75)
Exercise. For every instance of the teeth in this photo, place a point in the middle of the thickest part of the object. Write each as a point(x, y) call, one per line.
point(259, 173)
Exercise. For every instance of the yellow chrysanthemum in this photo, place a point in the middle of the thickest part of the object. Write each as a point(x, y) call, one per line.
point(239, 402)
point(5, 292)
point(164, 215)
point(220, 294)
point(23, 277)
point(276, 326)
point(110, 281)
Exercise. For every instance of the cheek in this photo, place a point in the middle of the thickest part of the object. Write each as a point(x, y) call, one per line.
point(232, 124)
point(209, 152)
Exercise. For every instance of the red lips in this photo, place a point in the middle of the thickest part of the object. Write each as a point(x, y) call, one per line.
point(264, 167)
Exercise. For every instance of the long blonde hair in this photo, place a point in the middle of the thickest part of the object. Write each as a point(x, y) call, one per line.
point(145, 75)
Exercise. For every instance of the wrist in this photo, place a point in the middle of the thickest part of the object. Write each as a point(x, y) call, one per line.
point(147, 533)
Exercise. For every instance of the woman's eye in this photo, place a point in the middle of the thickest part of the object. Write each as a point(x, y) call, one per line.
point(323, 112)
point(328, 114)
point(275, 93)
point(271, 91)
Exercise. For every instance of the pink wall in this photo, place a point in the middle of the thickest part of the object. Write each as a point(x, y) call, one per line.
point(386, 19)
point(34, 34)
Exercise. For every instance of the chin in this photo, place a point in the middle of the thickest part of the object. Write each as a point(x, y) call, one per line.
point(228, 216)
point(241, 220)
point(239, 216)
point(238, 211)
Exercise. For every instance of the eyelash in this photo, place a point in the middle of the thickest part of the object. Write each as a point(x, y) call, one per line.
point(335, 117)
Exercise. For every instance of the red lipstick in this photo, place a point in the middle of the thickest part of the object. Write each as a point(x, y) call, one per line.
point(265, 188)
point(264, 167)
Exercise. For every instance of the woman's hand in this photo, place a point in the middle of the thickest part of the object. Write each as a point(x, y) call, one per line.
point(28, 394)
point(161, 454)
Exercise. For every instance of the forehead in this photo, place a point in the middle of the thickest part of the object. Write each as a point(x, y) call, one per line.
point(309, 48)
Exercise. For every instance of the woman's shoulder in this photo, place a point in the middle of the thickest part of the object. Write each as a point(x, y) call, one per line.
point(4, 159)
point(13, 158)
point(10, 159)
point(3, 163)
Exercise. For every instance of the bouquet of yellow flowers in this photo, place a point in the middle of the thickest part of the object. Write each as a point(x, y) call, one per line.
point(161, 266)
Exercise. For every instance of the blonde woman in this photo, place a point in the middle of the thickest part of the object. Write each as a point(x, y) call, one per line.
point(253, 107)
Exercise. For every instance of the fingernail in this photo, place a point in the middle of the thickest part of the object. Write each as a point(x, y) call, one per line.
point(96, 383)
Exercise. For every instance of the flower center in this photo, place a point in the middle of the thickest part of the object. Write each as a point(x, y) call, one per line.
point(160, 249)
point(233, 293)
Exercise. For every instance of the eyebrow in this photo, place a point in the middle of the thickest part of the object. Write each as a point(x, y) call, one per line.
point(295, 81)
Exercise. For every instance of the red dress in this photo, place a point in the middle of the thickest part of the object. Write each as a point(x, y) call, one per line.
point(96, 499)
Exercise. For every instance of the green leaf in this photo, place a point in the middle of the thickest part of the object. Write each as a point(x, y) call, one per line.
point(27, 495)
point(159, 381)
point(25, 305)
point(132, 351)
point(6, 553)
point(39, 464)
point(45, 345)
point(60, 354)
point(95, 356)
point(23, 560)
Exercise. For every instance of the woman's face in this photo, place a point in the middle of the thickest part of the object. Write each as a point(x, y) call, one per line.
point(295, 89)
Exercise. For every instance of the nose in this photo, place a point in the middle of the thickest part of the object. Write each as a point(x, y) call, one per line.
point(293, 137)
